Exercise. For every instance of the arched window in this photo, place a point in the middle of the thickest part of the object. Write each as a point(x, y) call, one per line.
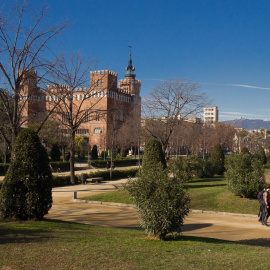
point(97, 130)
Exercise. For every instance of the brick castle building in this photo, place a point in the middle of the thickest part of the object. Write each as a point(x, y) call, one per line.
point(101, 113)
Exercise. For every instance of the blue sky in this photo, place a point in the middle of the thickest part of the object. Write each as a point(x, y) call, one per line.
point(224, 45)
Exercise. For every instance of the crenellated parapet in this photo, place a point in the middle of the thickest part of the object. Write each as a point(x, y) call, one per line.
point(103, 72)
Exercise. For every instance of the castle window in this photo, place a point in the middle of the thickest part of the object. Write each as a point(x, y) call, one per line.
point(87, 116)
point(98, 82)
point(97, 117)
point(65, 117)
point(97, 130)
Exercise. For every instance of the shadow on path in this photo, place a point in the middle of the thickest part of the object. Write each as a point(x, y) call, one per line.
point(193, 227)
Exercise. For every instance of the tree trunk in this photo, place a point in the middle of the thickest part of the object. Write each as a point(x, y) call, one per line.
point(63, 154)
point(72, 160)
point(111, 164)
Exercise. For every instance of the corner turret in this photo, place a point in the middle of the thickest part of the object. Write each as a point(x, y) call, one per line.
point(130, 68)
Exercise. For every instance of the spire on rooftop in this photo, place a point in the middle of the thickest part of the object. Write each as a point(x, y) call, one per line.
point(130, 68)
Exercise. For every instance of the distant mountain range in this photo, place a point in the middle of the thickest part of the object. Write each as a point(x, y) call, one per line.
point(249, 124)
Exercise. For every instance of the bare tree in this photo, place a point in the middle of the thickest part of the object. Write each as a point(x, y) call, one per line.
point(130, 134)
point(224, 135)
point(71, 101)
point(25, 39)
point(168, 102)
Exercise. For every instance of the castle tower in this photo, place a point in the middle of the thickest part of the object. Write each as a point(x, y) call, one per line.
point(132, 87)
point(103, 79)
point(130, 84)
point(31, 98)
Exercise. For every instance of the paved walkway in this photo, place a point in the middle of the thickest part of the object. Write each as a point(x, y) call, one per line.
point(226, 226)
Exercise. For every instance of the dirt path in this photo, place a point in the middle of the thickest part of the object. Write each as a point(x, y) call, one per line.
point(233, 227)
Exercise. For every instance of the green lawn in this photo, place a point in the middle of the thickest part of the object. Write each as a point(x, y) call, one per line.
point(62, 245)
point(206, 194)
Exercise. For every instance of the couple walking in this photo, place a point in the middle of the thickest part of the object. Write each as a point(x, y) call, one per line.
point(264, 199)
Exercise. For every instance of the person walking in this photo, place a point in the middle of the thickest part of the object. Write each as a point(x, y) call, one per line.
point(264, 199)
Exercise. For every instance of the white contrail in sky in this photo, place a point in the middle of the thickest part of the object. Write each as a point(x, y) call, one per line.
point(225, 84)
point(239, 85)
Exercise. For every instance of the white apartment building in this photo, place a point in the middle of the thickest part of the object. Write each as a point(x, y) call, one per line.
point(210, 114)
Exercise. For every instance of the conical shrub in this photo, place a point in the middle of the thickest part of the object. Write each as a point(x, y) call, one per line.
point(26, 192)
point(153, 155)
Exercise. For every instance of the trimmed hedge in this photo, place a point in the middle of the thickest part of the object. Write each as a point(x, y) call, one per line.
point(116, 174)
point(64, 166)
point(59, 181)
point(117, 163)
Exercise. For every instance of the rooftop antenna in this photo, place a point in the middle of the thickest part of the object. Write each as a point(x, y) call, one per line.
point(130, 51)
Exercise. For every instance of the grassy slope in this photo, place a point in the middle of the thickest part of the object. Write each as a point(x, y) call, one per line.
point(206, 194)
point(63, 245)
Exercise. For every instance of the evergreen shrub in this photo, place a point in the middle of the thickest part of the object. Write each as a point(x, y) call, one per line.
point(244, 150)
point(268, 156)
point(3, 168)
point(261, 155)
point(217, 159)
point(203, 168)
point(161, 200)
point(153, 156)
point(103, 153)
point(94, 152)
point(245, 175)
point(123, 152)
point(55, 153)
point(26, 191)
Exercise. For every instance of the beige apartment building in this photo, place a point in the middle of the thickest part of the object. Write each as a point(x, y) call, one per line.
point(210, 114)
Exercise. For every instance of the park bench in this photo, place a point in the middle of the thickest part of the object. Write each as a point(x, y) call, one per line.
point(55, 169)
point(95, 180)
